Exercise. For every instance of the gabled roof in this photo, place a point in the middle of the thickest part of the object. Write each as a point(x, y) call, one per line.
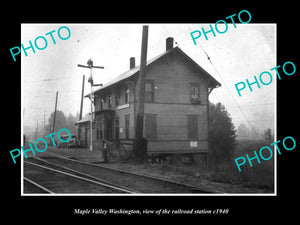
point(214, 83)
point(85, 119)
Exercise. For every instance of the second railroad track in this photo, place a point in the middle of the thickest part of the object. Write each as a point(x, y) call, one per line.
point(112, 180)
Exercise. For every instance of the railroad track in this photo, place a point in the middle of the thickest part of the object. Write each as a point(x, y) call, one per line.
point(54, 179)
point(32, 187)
point(132, 182)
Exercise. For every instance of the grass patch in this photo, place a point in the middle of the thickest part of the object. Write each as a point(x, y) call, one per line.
point(183, 169)
point(259, 176)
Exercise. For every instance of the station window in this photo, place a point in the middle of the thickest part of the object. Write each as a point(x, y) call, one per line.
point(101, 129)
point(109, 101)
point(127, 127)
point(150, 127)
point(117, 128)
point(149, 91)
point(101, 103)
point(98, 131)
point(195, 93)
point(127, 96)
point(117, 98)
point(192, 126)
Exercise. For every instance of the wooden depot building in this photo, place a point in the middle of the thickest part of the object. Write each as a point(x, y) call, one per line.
point(176, 105)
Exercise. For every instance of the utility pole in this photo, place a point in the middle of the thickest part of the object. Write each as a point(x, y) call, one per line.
point(81, 103)
point(53, 127)
point(44, 125)
point(140, 148)
point(37, 128)
point(81, 106)
point(91, 66)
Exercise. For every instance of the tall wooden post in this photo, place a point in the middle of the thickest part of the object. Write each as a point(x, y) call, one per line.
point(91, 119)
point(81, 106)
point(81, 103)
point(91, 66)
point(36, 130)
point(44, 125)
point(140, 148)
point(53, 127)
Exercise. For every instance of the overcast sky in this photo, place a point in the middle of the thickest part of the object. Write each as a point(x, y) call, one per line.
point(237, 55)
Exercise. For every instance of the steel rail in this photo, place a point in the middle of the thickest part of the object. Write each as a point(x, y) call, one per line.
point(81, 178)
point(38, 185)
point(141, 175)
point(86, 175)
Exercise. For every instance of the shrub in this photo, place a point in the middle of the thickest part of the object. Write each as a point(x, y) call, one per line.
point(221, 136)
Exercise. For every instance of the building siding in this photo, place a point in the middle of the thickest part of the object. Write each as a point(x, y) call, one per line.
point(172, 76)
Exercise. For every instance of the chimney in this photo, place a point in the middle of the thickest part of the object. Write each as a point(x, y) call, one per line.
point(169, 43)
point(132, 62)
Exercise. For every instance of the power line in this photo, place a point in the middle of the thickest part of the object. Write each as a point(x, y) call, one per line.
point(263, 104)
point(51, 79)
point(171, 36)
point(252, 121)
point(226, 86)
point(167, 31)
point(234, 121)
point(248, 121)
point(255, 120)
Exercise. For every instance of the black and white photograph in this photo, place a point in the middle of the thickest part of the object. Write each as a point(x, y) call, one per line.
point(148, 109)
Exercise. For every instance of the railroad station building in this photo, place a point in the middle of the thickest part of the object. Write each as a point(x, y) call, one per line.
point(176, 105)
